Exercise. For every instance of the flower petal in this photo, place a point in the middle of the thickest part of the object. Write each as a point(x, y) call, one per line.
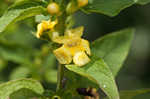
point(86, 46)
point(77, 32)
point(58, 39)
point(39, 30)
point(63, 55)
point(80, 58)
point(51, 24)
point(45, 25)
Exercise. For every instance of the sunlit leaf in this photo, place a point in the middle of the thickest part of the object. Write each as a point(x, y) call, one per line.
point(113, 48)
point(20, 11)
point(143, 1)
point(20, 72)
point(40, 18)
point(98, 72)
point(111, 7)
point(6, 89)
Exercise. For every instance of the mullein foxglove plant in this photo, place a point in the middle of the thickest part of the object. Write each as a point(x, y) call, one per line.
point(83, 67)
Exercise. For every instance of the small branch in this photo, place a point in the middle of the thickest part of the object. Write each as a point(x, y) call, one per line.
point(60, 75)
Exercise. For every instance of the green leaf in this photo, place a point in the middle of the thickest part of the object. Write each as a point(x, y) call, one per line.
point(12, 51)
point(3, 64)
point(6, 89)
point(24, 94)
point(20, 11)
point(132, 93)
point(143, 1)
point(66, 96)
point(40, 18)
point(49, 63)
point(113, 48)
point(51, 76)
point(20, 72)
point(98, 72)
point(111, 7)
point(72, 83)
point(48, 93)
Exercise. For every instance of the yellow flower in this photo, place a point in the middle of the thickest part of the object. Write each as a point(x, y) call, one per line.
point(45, 25)
point(74, 47)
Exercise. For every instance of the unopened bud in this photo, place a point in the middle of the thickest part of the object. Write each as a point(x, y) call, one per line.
point(53, 8)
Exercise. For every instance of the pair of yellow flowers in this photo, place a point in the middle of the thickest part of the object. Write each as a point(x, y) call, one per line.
point(73, 48)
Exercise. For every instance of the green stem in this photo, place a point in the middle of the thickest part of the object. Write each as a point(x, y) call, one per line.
point(60, 75)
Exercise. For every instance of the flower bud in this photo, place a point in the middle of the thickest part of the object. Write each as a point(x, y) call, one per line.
point(82, 3)
point(53, 8)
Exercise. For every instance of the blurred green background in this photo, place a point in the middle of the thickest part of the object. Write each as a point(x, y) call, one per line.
point(18, 39)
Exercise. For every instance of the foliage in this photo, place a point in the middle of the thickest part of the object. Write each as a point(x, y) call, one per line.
point(8, 88)
point(108, 52)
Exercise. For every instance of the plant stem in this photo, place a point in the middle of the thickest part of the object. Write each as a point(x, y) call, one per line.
point(60, 75)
